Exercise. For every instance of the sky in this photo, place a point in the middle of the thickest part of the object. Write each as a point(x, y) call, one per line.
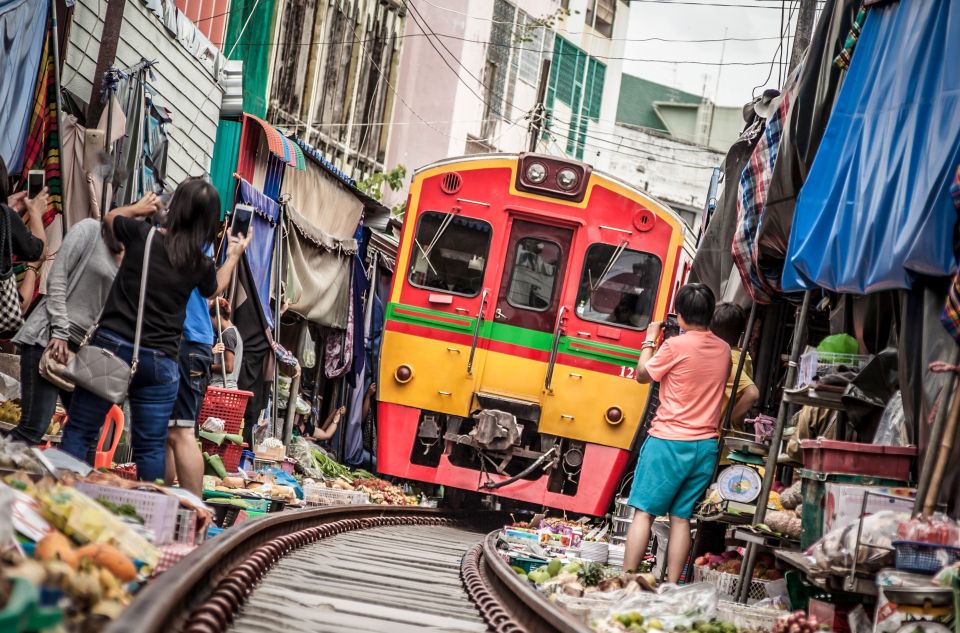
point(686, 22)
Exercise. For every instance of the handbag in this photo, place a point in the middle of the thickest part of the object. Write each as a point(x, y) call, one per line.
point(99, 370)
point(11, 316)
point(53, 371)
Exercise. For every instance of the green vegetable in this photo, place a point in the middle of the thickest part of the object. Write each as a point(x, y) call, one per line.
point(215, 464)
point(837, 344)
point(519, 570)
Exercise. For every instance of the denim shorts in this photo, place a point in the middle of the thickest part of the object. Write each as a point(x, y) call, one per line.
point(672, 475)
point(195, 360)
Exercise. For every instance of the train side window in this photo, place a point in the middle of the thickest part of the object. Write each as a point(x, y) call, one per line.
point(618, 286)
point(534, 274)
point(450, 253)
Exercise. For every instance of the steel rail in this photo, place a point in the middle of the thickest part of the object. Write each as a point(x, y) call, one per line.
point(204, 592)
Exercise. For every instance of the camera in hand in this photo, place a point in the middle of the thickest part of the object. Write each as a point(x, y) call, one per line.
point(671, 327)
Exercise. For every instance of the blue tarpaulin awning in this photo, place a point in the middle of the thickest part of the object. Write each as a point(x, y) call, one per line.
point(875, 209)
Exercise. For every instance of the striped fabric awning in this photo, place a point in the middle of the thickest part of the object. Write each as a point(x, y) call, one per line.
point(280, 146)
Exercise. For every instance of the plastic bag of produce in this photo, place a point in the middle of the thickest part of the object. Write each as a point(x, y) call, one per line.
point(671, 606)
point(838, 548)
point(892, 430)
point(837, 344)
point(301, 450)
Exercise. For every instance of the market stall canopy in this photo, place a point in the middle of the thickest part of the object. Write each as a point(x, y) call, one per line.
point(875, 210)
point(279, 145)
point(323, 212)
point(260, 253)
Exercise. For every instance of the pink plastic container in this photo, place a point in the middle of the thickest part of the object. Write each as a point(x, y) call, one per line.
point(853, 458)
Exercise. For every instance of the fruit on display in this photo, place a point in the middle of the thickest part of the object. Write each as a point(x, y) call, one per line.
point(730, 562)
point(635, 621)
point(10, 411)
point(797, 622)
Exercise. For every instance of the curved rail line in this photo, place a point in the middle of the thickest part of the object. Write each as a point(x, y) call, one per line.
point(319, 569)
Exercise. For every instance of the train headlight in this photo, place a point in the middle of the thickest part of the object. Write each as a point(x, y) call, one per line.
point(567, 179)
point(403, 374)
point(614, 416)
point(536, 173)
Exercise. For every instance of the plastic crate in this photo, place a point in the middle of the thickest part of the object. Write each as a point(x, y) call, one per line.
point(526, 563)
point(159, 511)
point(813, 488)
point(924, 558)
point(853, 458)
point(748, 617)
point(228, 405)
point(229, 453)
point(813, 364)
point(316, 494)
point(727, 585)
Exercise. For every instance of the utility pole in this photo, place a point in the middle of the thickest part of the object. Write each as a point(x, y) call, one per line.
point(804, 32)
point(536, 119)
point(107, 56)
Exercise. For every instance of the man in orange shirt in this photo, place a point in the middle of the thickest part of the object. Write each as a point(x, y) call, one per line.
point(676, 461)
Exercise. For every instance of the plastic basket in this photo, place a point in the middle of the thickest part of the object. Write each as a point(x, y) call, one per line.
point(316, 494)
point(747, 617)
point(727, 585)
point(159, 511)
point(813, 364)
point(185, 529)
point(229, 453)
point(924, 558)
point(228, 405)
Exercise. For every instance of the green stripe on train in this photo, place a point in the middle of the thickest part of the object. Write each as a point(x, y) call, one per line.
point(511, 334)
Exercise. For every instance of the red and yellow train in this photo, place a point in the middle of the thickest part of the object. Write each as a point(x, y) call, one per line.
point(522, 290)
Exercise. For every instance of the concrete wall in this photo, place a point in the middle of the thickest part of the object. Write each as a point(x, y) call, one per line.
point(183, 85)
point(677, 173)
point(451, 101)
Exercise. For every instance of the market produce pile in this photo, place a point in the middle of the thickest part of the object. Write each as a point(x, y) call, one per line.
point(730, 562)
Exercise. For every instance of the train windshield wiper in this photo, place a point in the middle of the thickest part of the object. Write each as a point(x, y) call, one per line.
point(610, 264)
point(433, 241)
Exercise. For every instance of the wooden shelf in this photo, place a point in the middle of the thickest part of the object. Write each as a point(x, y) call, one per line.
point(811, 398)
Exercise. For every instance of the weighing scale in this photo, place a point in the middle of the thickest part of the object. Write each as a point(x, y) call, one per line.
point(739, 483)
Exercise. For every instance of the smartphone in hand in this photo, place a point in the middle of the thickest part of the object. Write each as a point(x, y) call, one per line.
point(36, 179)
point(242, 216)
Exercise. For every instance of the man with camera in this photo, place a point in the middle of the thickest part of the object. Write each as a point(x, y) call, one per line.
point(677, 459)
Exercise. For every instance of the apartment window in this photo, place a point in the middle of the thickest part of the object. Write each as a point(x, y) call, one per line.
point(600, 15)
point(518, 46)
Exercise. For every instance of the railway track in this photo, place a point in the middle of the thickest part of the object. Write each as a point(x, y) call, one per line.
point(355, 569)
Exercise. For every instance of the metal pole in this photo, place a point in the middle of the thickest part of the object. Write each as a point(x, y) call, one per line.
point(278, 294)
point(223, 355)
point(725, 424)
point(536, 121)
point(936, 436)
point(294, 391)
point(804, 32)
point(799, 331)
point(109, 151)
point(55, 38)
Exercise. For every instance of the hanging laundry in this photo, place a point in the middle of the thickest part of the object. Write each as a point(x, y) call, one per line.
point(817, 87)
point(951, 311)
point(23, 23)
point(842, 61)
point(753, 189)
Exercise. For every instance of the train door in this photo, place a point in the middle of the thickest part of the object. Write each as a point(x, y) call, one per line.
point(527, 305)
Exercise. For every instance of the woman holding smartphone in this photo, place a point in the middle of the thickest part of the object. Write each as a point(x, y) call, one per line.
point(177, 265)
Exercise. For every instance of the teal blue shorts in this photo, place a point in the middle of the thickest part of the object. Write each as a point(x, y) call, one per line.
point(672, 475)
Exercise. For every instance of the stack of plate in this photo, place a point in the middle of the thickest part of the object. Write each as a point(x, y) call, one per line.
point(615, 555)
point(594, 551)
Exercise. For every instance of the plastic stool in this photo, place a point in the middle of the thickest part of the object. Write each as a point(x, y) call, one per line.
point(112, 424)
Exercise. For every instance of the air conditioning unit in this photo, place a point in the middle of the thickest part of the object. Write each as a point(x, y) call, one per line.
point(232, 82)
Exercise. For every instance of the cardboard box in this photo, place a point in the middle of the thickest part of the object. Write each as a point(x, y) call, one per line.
point(842, 503)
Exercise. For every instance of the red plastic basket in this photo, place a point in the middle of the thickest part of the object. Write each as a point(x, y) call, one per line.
point(871, 460)
point(229, 453)
point(227, 404)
